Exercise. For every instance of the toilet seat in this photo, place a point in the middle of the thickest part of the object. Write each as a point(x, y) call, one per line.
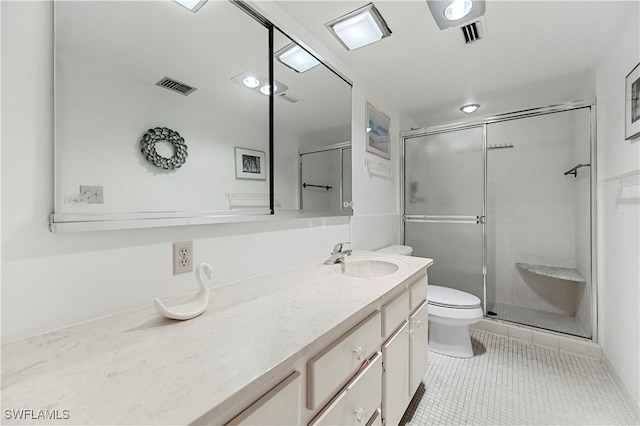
point(451, 298)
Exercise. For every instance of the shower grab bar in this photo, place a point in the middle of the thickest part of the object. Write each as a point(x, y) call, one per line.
point(574, 171)
point(327, 187)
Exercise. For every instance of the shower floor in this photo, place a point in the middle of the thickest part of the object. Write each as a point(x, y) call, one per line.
point(540, 319)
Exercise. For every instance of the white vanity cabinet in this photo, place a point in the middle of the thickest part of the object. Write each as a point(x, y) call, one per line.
point(279, 406)
point(404, 352)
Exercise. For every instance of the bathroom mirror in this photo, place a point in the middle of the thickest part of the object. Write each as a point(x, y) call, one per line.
point(121, 75)
point(312, 133)
point(123, 69)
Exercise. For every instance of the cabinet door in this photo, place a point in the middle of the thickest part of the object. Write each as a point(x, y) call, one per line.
point(395, 378)
point(279, 406)
point(418, 350)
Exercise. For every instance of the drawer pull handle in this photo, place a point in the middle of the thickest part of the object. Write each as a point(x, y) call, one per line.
point(361, 415)
point(360, 353)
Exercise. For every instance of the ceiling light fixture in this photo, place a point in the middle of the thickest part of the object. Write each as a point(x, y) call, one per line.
point(258, 83)
point(469, 108)
point(192, 5)
point(359, 28)
point(451, 13)
point(296, 58)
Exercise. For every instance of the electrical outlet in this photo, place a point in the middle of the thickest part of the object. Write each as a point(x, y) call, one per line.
point(182, 257)
point(96, 193)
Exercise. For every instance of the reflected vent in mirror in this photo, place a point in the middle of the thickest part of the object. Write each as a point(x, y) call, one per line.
point(176, 86)
point(289, 98)
point(472, 32)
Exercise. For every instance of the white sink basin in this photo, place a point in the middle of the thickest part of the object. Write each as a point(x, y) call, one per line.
point(368, 268)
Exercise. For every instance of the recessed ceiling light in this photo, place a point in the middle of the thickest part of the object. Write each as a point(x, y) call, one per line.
point(451, 13)
point(358, 28)
point(248, 80)
point(296, 58)
point(192, 5)
point(458, 9)
point(469, 108)
point(251, 82)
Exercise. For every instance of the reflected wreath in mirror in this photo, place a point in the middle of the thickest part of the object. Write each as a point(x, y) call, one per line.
point(159, 134)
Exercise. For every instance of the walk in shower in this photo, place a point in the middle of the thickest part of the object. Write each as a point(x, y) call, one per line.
point(505, 207)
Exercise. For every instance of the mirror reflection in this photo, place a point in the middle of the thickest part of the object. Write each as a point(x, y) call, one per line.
point(312, 153)
point(124, 69)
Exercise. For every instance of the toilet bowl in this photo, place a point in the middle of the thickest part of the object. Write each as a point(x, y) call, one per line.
point(451, 312)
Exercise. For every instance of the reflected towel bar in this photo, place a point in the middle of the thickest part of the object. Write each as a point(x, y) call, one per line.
point(574, 171)
point(327, 187)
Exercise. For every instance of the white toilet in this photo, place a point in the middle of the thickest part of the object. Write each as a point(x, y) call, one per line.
point(451, 312)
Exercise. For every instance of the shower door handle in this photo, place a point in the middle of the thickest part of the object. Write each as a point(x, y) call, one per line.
point(481, 220)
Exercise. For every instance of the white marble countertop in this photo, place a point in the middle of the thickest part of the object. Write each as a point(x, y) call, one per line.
point(139, 368)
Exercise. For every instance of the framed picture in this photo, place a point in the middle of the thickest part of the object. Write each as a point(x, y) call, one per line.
point(378, 125)
point(632, 104)
point(250, 164)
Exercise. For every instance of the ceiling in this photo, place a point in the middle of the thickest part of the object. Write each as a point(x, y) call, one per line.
point(534, 53)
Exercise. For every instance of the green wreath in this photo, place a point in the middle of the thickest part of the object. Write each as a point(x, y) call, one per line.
point(148, 148)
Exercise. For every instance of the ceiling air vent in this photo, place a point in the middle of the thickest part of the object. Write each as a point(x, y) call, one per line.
point(288, 97)
point(472, 32)
point(176, 86)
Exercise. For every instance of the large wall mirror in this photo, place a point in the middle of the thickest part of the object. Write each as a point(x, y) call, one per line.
point(135, 146)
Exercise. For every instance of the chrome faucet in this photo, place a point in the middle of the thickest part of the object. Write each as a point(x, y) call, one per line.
point(338, 255)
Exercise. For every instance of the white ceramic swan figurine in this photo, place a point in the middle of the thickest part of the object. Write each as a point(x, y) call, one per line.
point(193, 307)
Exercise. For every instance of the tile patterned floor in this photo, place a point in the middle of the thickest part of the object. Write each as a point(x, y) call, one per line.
point(511, 382)
point(540, 319)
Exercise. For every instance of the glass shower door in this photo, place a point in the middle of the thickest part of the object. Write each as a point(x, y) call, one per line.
point(444, 214)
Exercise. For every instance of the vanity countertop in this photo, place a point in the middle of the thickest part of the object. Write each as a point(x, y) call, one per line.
point(137, 367)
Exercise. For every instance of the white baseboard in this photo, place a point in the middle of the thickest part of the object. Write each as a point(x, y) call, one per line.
point(628, 398)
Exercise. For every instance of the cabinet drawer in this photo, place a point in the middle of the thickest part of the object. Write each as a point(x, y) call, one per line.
point(358, 401)
point(339, 361)
point(279, 406)
point(394, 312)
point(418, 292)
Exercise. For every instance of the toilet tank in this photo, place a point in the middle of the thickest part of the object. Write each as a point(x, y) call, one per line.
point(396, 249)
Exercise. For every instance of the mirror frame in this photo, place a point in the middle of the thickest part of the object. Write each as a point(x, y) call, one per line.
point(77, 222)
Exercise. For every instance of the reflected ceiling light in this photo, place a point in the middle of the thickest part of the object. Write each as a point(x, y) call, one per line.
point(469, 108)
point(358, 28)
point(258, 83)
point(192, 5)
point(451, 13)
point(251, 82)
point(296, 58)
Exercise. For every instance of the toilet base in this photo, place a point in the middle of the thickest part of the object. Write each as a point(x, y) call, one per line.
point(450, 340)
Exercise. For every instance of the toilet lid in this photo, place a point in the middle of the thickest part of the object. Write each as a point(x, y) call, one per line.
point(451, 298)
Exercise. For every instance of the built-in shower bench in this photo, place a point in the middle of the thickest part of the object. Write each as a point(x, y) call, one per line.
point(569, 274)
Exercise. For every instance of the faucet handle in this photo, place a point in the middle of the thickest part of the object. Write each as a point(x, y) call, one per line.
point(338, 247)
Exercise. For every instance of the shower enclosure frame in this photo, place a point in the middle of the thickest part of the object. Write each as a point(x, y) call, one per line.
point(337, 146)
point(484, 122)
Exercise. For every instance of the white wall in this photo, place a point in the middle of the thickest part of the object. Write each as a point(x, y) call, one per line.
point(90, 153)
point(54, 280)
point(619, 218)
